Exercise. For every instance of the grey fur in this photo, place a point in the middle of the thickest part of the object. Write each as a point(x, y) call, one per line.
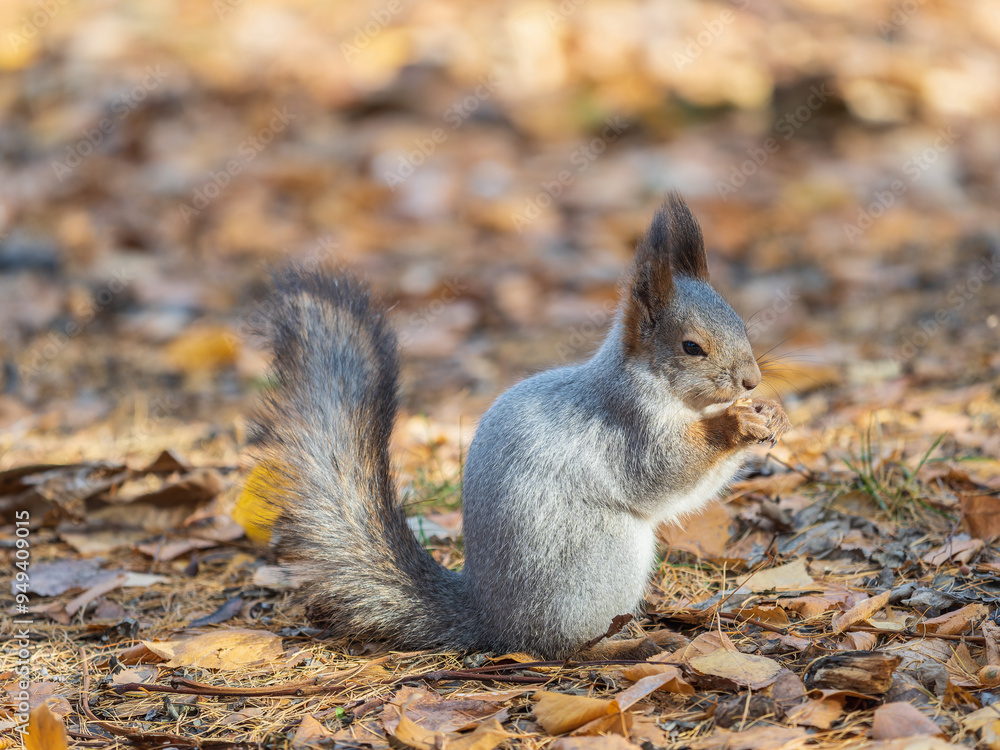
point(567, 478)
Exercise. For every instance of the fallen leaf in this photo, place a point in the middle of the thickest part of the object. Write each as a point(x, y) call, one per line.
point(311, 733)
point(962, 668)
point(165, 551)
point(789, 577)
point(954, 623)
point(247, 714)
point(609, 742)
point(757, 738)
point(861, 611)
point(895, 720)
point(559, 713)
point(860, 641)
point(436, 713)
point(820, 714)
point(744, 670)
point(220, 649)
point(981, 514)
point(991, 634)
point(673, 680)
point(666, 681)
point(980, 717)
point(704, 534)
point(46, 731)
point(959, 550)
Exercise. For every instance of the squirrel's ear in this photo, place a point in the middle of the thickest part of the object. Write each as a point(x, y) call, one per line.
point(680, 235)
point(650, 284)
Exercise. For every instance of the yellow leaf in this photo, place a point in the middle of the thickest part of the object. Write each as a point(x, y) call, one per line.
point(257, 507)
point(787, 577)
point(220, 649)
point(559, 713)
point(863, 610)
point(45, 730)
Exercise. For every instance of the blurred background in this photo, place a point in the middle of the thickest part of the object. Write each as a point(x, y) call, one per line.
point(488, 167)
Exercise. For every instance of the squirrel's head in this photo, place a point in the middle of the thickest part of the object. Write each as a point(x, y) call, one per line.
point(676, 325)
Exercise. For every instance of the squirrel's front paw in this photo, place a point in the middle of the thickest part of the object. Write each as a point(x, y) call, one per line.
point(760, 421)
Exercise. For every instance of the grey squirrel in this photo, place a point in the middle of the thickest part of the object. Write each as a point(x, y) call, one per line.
point(568, 476)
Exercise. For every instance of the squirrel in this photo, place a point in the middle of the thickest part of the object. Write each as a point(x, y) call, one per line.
point(566, 480)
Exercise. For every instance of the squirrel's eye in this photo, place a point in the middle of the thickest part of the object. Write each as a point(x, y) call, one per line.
point(693, 349)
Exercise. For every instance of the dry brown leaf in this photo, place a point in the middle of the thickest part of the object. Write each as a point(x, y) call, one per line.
point(757, 738)
point(788, 577)
point(673, 683)
point(46, 731)
point(819, 714)
point(745, 670)
point(309, 734)
point(559, 713)
point(981, 514)
point(772, 615)
point(962, 668)
point(133, 674)
point(610, 742)
point(413, 735)
point(667, 681)
point(958, 550)
point(220, 649)
point(991, 634)
point(486, 736)
point(247, 714)
point(437, 713)
point(860, 641)
point(895, 720)
point(704, 534)
point(980, 717)
point(954, 623)
point(863, 610)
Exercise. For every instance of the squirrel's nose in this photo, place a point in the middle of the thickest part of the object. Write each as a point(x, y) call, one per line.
point(751, 382)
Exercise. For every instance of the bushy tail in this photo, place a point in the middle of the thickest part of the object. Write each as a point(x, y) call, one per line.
point(323, 435)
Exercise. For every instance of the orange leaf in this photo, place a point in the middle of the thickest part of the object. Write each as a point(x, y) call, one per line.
point(863, 610)
point(45, 730)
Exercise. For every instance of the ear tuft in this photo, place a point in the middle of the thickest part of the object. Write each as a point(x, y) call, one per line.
point(650, 284)
point(676, 232)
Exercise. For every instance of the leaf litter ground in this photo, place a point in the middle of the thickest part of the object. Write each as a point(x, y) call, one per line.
point(837, 599)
